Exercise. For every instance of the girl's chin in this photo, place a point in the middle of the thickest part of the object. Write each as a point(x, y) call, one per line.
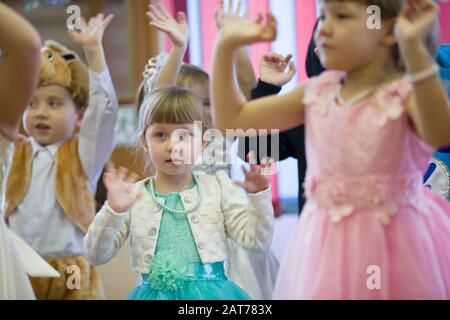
point(172, 169)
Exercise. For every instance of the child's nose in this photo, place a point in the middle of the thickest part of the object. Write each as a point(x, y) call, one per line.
point(171, 145)
point(41, 111)
point(174, 147)
point(323, 29)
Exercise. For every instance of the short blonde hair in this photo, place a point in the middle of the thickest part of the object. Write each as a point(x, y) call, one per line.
point(190, 74)
point(171, 105)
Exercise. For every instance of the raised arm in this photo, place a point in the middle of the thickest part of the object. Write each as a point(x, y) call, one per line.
point(429, 106)
point(230, 108)
point(111, 225)
point(178, 33)
point(19, 68)
point(96, 138)
point(243, 67)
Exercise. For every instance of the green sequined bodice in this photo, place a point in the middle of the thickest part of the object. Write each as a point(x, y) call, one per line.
point(175, 236)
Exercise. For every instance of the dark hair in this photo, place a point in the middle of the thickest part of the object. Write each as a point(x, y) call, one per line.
point(313, 65)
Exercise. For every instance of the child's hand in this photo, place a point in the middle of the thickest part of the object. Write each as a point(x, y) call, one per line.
point(416, 20)
point(119, 184)
point(258, 178)
point(272, 69)
point(177, 31)
point(245, 32)
point(91, 34)
point(224, 18)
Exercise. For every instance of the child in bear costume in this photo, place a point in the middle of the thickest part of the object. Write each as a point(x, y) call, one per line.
point(51, 187)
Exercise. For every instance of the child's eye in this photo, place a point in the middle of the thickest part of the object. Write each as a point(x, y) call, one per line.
point(343, 16)
point(53, 104)
point(32, 105)
point(160, 135)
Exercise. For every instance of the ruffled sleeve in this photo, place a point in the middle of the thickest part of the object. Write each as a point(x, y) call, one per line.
point(320, 91)
point(391, 101)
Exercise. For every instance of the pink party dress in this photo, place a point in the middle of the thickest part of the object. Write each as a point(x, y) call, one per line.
point(370, 229)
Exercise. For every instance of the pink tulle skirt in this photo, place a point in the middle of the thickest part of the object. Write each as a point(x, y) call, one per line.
point(359, 257)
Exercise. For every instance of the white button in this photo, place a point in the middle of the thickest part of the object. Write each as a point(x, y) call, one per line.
point(152, 231)
point(157, 208)
point(201, 245)
point(188, 199)
point(148, 258)
point(195, 219)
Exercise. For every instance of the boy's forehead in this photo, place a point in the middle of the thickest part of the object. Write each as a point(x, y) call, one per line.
point(52, 90)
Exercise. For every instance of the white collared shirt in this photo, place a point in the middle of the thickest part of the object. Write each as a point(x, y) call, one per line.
point(39, 219)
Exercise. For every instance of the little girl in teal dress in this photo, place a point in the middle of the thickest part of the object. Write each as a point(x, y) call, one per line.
point(176, 246)
point(178, 222)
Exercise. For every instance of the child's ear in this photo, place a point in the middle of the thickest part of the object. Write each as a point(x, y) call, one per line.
point(389, 38)
point(143, 141)
point(80, 115)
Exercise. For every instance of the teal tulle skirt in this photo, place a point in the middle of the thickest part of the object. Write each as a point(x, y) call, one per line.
point(200, 282)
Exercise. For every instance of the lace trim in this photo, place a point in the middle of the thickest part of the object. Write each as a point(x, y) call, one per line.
point(342, 196)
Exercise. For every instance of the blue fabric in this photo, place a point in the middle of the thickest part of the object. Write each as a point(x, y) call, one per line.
point(443, 59)
point(443, 154)
point(205, 282)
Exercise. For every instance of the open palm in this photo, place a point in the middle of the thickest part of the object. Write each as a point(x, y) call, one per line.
point(91, 33)
point(224, 17)
point(257, 179)
point(176, 30)
point(246, 31)
point(119, 184)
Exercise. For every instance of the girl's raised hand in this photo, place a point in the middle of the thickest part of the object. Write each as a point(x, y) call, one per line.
point(119, 184)
point(257, 179)
point(245, 32)
point(91, 33)
point(224, 17)
point(176, 30)
point(416, 20)
point(272, 69)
